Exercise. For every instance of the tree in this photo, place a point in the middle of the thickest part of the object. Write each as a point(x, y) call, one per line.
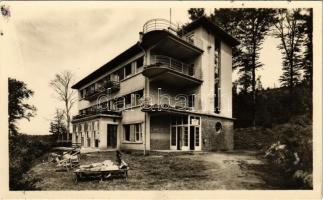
point(57, 125)
point(307, 16)
point(195, 13)
point(250, 26)
point(289, 28)
point(62, 86)
point(18, 109)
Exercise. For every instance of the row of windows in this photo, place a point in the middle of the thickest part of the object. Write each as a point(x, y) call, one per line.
point(86, 126)
point(126, 101)
point(132, 132)
point(120, 74)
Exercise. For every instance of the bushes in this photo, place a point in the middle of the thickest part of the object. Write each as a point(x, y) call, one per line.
point(23, 150)
point(281, 143)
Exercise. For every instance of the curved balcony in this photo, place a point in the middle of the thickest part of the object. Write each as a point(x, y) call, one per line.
point(158, 25)
point(165, 37)
point(170, 71)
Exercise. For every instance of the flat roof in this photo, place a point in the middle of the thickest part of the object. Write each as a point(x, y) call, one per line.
point(135, 49)
point(131, 51)
point(209, 25)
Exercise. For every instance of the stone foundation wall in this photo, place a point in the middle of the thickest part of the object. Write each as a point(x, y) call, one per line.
point(215, 141)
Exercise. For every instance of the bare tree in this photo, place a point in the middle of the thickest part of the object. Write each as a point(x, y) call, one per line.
point(62, 86)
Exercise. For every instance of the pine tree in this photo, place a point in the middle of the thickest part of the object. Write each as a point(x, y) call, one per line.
point(57, 125)
point(308, 42)
point(289, 28)
point(250, 26)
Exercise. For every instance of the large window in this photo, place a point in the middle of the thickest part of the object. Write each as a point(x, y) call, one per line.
point(132, 132)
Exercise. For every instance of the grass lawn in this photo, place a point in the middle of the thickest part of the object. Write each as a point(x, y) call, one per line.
point(198, 171)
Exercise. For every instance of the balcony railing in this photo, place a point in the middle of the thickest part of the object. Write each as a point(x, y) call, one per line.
point(174, 64)
point(94, 111)
point(109, 85)
point(159, 24)
point(165, 25)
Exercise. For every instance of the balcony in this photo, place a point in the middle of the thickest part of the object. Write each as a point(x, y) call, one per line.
point(170, 71)
point(94, 111)
point(109, 86)
point(165, 25)
point(169, 39)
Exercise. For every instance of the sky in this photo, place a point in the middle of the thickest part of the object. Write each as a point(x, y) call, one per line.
point(41, 39)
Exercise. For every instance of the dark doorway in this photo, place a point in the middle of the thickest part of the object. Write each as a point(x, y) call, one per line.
point(179, 138)
point(112, 136)
point(192, 145)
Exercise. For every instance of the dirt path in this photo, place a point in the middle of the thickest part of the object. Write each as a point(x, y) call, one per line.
point(233, 171)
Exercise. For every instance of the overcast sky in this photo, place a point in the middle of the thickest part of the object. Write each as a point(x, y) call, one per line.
point(43, 38)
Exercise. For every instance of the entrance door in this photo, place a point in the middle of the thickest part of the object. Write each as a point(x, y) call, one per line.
point(112, 136)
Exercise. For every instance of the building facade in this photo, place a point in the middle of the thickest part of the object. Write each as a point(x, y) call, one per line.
point(172, 90)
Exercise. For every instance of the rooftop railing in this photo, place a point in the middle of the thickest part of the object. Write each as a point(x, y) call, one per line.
point(159, 24)
point(163, 24)
point(173, 64)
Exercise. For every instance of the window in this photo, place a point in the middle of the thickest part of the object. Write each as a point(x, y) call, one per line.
point(139, 62)
point(185, 136)
point(132, 132)
point(195, 121)
point(83, 93)
point(127, 100)
point(74, 128)
point(173, 136)
point(138, 132)
point(137, 97)
point(119, 103)
point(120, 73)
point(126, 133)
point(218, 127)
point(197, 136)
point(80, 128)
point(217, 76)
point(85, 126)
point(191, 101)
point(128, 70)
